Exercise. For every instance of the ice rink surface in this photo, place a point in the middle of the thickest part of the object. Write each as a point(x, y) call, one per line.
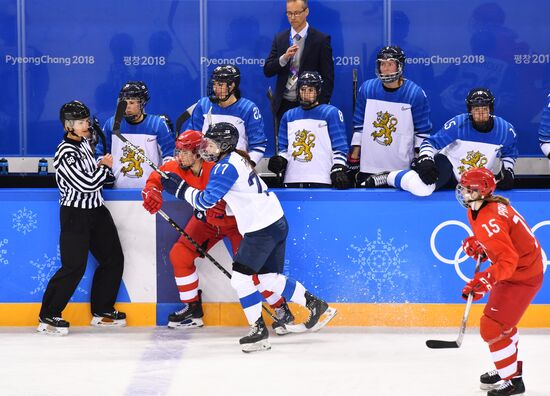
point(208, 361)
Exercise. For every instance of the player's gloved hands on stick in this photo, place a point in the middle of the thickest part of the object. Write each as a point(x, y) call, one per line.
point(174, 185)
point(339, 177)
point(426, 169)
point(474, 249)
point(277, 164)
point(152, 199)
point(506, 179)
point(482, 283)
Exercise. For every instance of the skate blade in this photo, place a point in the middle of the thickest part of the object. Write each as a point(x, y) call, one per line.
point(488, 387)
point(262, 345)
point(296, 328)
point(98, 321)
point(281, 330)
point(186, 324)
point(325, 318)
point(44, 328)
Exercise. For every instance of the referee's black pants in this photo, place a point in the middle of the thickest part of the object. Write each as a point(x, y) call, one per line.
point(84, 230)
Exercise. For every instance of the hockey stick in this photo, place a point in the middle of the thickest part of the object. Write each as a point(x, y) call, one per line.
point(275, 130)
point(184, 117)
point(354, 88)
point(439, 344)
point(207, 255)
point(275, 121)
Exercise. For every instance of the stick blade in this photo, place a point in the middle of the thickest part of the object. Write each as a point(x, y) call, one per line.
point(120, 110)
point(438, 344)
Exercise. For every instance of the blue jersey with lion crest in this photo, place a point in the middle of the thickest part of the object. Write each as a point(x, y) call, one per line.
point(467, 148)
point(312, 141)
point(388, 124)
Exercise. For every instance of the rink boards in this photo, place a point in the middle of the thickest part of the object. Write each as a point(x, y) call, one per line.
point(382, 257)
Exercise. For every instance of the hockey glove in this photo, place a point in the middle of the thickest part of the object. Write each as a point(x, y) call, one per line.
point(174, 185)
point(339, 177)
point(506, 179)
point(426, 169)
point(109, 180)
point(152, 199)
point(482, 283)
point(217, 211)
point(474, 249)
point(277, 164)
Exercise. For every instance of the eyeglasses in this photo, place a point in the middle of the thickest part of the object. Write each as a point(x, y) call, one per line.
point(295, 14)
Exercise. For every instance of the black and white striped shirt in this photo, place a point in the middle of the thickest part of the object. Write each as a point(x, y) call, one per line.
point(77, 175)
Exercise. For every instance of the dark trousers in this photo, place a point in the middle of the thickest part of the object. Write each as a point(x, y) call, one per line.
point(263, 251)
point(84, 230)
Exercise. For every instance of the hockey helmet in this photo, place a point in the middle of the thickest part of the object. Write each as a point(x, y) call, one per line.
point(219, 139)
point(480, 180)
point(393, 53)
point(310, 79)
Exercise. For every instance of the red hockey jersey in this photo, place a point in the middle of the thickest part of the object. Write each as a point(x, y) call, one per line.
point(508, 241)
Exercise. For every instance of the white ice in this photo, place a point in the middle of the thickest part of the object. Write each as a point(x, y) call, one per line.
point(208, 361)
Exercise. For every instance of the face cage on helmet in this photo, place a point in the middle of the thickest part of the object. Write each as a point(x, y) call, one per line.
point(212, 94)
point(204, 148)
point(461, 190)
point(308, 104)
point(391, 77)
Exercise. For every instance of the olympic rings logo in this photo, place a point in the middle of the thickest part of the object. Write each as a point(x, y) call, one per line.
point(460, 256)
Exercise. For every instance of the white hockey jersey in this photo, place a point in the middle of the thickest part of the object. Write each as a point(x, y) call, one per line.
point(312, 141)
point(389, 124)
point(247, 197)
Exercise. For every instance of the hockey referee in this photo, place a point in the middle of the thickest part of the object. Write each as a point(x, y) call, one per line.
point(86, 225)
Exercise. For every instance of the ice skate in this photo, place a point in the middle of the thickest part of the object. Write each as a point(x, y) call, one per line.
point(188, 317)
point(109, 319)
point(53, 325)
point(489, 380)
point(256, 339)
point(284, 317)
point(514, 386)
point(379, 180)
point(319, 315)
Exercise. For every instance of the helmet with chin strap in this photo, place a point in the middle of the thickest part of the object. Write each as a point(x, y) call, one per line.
point(480, 180)
point(390, 53)
point(310, 79)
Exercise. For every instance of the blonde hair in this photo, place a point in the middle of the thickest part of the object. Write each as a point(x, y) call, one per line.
point(498, 199)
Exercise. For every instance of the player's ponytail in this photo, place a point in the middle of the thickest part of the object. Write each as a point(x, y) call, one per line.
point(245, 155)
point(498, 199)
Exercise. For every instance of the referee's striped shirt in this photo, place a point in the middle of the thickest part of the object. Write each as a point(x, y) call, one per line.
point(77, 174)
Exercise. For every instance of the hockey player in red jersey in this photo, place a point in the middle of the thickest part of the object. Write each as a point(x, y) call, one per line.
point(204, 228)
point(513, 278)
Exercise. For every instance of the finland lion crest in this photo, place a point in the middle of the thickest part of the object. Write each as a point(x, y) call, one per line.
point(386, 123)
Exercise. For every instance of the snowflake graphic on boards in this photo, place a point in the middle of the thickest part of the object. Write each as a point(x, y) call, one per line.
point(3, 252)
point(24, 220)
point(379, 265)
point(45, 270)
